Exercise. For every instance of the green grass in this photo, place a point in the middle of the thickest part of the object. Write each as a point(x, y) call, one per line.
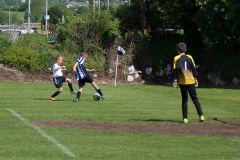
point(127, 104)
point(20, 15)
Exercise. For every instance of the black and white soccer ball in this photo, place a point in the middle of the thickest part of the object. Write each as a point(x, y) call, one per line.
point(96, 97)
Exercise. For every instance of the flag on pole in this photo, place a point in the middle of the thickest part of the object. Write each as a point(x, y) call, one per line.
point(121, 51)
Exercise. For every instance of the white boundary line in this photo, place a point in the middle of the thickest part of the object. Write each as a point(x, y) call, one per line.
point(40, 131)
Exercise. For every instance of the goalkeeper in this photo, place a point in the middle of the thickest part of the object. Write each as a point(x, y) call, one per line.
point(184, 76)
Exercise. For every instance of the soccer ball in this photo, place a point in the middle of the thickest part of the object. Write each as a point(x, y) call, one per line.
point(96, 97)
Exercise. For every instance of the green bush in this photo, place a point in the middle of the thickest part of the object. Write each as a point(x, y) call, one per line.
point(96, 60)
point(26, 60)
point(5, 44)
point(31, 53)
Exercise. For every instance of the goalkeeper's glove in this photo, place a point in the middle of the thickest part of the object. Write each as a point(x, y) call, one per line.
point(196, 82)
point(175, 84)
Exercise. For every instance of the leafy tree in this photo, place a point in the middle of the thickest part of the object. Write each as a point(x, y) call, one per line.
point(81, 9)
point(37, 10)
point(11, 2)
point(55, 13)
point(23, 7)
point(219, 23)
point(89, 33)
point(3, 4)
point(129, 16)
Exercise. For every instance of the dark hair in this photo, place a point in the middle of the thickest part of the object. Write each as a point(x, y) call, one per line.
point(181, 47)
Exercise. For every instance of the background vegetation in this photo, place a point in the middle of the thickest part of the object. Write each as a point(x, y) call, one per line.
point(210, 29)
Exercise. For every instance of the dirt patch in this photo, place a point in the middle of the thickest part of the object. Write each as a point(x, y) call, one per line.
point(218, 129)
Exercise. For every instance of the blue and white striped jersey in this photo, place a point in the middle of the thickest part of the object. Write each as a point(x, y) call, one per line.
point(81, 69)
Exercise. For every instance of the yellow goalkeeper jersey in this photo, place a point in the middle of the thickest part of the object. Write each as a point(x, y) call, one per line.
point(184, 70)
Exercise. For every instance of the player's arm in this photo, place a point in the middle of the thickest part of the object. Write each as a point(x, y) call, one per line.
point(175, 74)
point(75, 67)
point(90, 70)
point(63, 67)
point(194, 71)
point(175, 71)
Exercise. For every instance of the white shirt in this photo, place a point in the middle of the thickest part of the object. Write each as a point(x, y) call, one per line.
point(57, 71)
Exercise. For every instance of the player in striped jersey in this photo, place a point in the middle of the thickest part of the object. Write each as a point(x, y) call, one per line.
point(83, 77)
point(184, 76)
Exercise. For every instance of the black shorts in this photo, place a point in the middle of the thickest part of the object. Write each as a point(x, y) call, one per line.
point(58, 81)
point(87, 79)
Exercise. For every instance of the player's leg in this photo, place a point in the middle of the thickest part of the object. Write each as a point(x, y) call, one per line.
point(69, 81)
point(89, 79)
point(58, 84)
point(193, 95)
point(98, 90)
point(81, 83)
point(184, 95)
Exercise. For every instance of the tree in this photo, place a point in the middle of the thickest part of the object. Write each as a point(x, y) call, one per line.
point(23, 7)
point(11, 2)
point(3, 4)
point(129, 16)
point(55, 13)
point(37, 10)
point(81, 9)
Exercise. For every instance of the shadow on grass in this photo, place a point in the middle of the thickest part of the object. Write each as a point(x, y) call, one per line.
point(216, 119)
point(46, 99)
point(158, 120)
point(228, 123)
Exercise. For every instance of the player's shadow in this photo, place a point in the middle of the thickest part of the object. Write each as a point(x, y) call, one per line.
point(216, 119)
point(158, 120)
point(46, 99)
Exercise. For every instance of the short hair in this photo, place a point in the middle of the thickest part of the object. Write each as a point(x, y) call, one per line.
point(84, 54)
point(58, 57)
point(181, 47)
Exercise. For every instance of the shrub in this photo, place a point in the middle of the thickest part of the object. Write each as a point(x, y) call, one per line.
point(5, 44)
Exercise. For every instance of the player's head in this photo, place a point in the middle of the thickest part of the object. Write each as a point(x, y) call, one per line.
point(181, 47)
point(59, 59)
point(84, 55)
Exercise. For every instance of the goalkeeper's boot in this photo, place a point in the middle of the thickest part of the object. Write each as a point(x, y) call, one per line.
point(185, 120)
point(103, 96)
point(201, 119)
point(52, 99)
point(76, 100)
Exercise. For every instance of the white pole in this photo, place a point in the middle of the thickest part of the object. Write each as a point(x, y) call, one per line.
point(108, 4)
point(9, 20)
point(46, 18)
point(116, 71)
point(93, 7)
point(99, 6)
point(29, 13)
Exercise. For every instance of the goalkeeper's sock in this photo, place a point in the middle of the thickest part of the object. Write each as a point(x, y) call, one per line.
point(99, 91)
point(70, 87)
point(55, 94)
point(78, 95)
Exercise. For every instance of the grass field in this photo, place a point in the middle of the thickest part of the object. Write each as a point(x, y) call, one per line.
point(24, 103)
point(20, 15)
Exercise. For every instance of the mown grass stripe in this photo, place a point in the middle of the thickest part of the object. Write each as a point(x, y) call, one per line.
point(41, 132)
